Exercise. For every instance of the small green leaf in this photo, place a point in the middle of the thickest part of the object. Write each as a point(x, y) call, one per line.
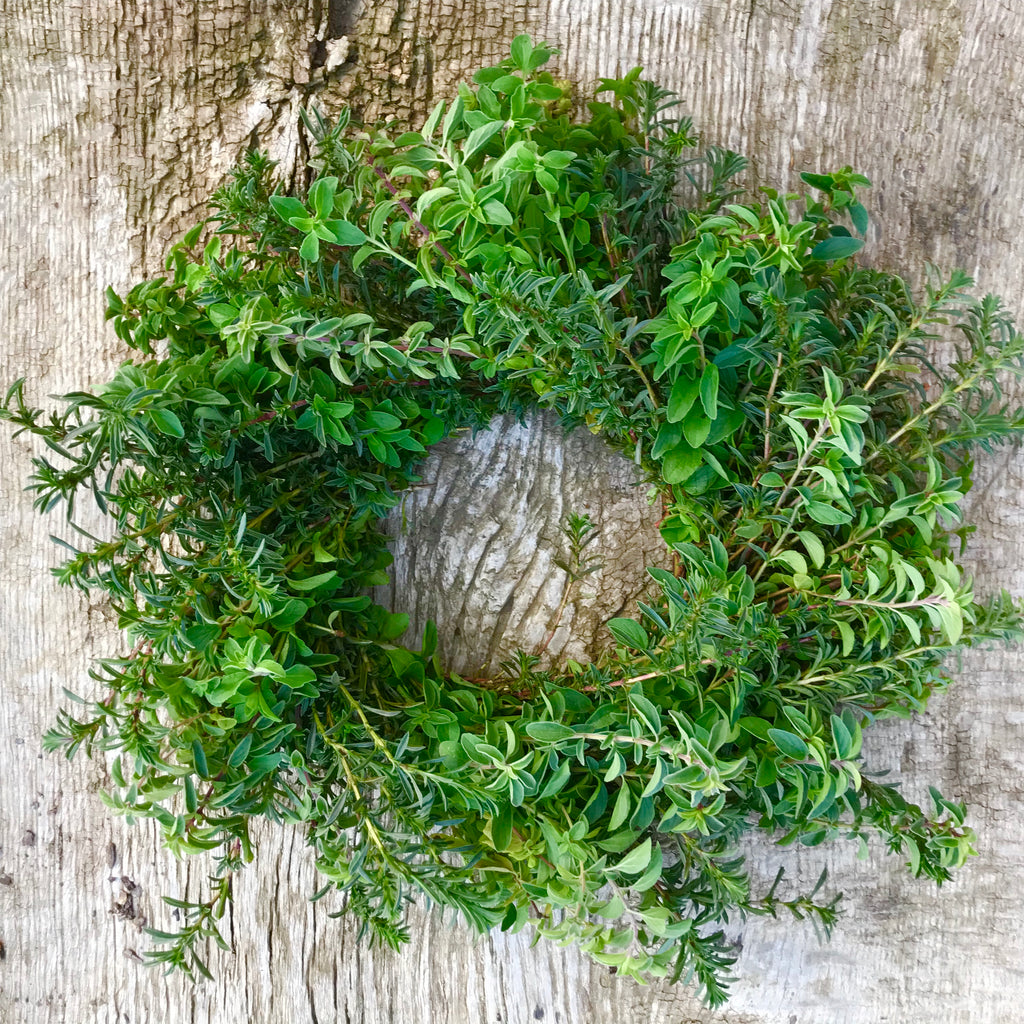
point(241, 751)
point(841, 738)
point(636, 860)
point(287, 207)
point(680, 463)
point(479, 137)
point(824, 182)
point(558, 159)
point(312, 582)
point(859, 216)
point(501, 827)
point(379, 419)
point(616, 767)
point(837, 247)
point(192, 236)
point(542, 92)
point(630, 633)
point(846, 634)
point(612, 909)
point(696, 426)
point(653, 873)
point(310, 248)
point(199, 760)
point(813, 546)
point(167, 422)
point(321, 196)
point(291, 612)
point(522, 48)
point(623, 805)
point(682, 396)
point(431, 123)
point(549, 732)
point(496, 213)
point(827, 515)
point(647, 711)
point(755, 726)
point(794, 560)
point(346, 233)
point(452, 119)
point(394, 626)
point(201, 635)
point(767, 771)
point(206, 396)
point(788, 742)
point(703, 314)
point(668, 437)
point(298, 675)
point(952, 618)
point(191, 801)
point(709, 390)
point(429, 645)
point(557, 781)
point(547, 180)
point(657, 779)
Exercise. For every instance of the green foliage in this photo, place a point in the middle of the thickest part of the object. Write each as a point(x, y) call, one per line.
point(518, 252)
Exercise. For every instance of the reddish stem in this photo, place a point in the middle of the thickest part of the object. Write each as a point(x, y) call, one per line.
point(416, 222)
point(269, 415)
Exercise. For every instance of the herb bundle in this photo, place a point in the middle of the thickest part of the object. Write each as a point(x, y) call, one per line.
point(519, 252)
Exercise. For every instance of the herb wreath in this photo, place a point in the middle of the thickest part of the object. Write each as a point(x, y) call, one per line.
point(780, 399)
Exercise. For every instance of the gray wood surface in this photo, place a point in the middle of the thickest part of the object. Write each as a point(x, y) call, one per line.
point(117, 118)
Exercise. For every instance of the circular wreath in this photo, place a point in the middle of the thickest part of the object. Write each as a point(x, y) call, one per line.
point(520, 252)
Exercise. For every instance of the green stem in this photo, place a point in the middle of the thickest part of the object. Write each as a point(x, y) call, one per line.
point(800, 466)
point(566, 248)
point(655, 403)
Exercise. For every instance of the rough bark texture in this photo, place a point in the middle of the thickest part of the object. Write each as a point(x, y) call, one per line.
point(117, 118)
point(476, 545)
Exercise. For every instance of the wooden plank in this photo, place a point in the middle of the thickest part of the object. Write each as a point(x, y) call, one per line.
point(118, 118)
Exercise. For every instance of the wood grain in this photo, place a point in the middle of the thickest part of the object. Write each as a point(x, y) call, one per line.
point(117, 118)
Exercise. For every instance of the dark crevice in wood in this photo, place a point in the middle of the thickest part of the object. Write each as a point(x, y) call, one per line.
point(342, 16)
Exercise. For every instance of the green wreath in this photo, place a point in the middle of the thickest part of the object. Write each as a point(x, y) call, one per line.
point(521, 252)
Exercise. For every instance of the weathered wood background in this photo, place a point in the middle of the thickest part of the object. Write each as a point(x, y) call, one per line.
point(118, 116)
